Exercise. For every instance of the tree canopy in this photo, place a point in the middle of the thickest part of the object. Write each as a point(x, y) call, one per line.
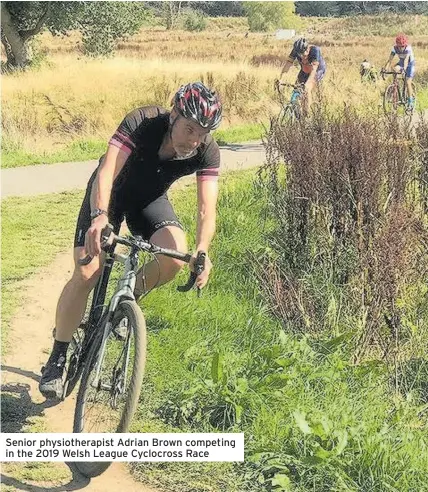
point(101, 24)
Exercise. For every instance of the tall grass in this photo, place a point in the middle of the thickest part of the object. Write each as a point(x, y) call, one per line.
point(312, 420)
point(352, 232)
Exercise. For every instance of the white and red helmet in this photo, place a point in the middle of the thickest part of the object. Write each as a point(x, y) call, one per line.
point(199, 103)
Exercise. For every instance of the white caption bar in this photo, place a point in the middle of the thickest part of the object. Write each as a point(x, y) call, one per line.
point(122, 447)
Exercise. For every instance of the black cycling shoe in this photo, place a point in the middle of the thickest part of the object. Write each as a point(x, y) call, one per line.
point(51, 385)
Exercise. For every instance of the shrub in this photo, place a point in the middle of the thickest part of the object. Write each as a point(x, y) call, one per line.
point(194, 20)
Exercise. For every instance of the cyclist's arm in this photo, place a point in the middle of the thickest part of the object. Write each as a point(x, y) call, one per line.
point(207, 189)
point(313, 73)
point(112, 164)
point(207, 205)
point(287, 65)
point(388, 63)
point(406, 62)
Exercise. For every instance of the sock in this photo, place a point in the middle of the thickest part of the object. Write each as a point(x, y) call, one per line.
point(59, 348)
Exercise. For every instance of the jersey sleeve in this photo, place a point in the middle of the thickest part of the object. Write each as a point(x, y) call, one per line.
point(210, 165)
point(393, 51)
point(125, 136)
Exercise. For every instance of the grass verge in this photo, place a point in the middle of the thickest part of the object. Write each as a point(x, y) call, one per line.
point(312, 420)
point(34, 230)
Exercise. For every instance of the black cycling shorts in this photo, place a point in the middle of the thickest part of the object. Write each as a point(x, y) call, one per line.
point(142, 221)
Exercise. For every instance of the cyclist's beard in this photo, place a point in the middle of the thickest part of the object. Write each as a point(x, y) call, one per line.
point(179, 154)
point(184, 156)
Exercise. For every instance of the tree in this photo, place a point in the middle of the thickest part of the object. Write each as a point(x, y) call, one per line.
point(171, 13)
point(265, 16)
point(220, 9)
point(338, 9)
point(101, 25)
point(317, 9)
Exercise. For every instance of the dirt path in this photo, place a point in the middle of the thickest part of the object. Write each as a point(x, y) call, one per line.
point(31, 341)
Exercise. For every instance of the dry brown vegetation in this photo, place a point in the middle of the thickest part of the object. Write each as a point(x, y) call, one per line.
point(72, 97)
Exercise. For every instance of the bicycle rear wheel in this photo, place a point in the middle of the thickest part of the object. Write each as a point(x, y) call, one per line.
point(108, 404)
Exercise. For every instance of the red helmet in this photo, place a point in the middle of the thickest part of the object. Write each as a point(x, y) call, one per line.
point(401, 40)
point(197, 102)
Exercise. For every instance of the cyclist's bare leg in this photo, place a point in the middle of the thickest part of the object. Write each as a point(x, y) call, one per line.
point(409, 81)
point(310, 85)
point(153, 275)
point(74, 297)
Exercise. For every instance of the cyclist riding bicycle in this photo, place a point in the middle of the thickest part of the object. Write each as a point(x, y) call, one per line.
point(368, 71)
point(406, 64)
point(151, 149)
point(312, 66)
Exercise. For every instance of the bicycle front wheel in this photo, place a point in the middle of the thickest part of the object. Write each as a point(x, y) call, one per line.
point(112, 378)
point(390, 99)
point(289, 114)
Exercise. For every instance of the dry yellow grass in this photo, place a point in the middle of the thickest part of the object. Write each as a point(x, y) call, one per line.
point(73, 97)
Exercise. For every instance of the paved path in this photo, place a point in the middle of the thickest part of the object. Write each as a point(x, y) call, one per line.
point(66, 176)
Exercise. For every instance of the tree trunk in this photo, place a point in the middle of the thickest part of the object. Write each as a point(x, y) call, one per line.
point(16, 49)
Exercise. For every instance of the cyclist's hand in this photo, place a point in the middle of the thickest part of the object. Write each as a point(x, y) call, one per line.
point(279, 85)
point(93, 235)
point(202, 279)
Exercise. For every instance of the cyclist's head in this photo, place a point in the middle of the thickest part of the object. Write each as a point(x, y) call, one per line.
point(196, 102)
point(401, 41)
point(196, 111)
point(300, 45)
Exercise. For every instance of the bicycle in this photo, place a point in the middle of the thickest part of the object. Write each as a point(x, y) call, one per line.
point(108, 352)
point(290, 111)
point(396, 96)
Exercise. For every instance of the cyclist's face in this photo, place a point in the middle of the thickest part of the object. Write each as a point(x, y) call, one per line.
point(187, 135)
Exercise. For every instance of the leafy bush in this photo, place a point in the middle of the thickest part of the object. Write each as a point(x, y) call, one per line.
point(194, 20)
point(265, 16)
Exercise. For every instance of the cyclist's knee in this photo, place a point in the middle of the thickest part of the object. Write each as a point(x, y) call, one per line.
point(174, 238)
point(86, 275)
point(170, 267)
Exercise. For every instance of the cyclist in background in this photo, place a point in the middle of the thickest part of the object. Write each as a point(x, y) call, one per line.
point(405, 65)
point(312, 67)
point(368, 72)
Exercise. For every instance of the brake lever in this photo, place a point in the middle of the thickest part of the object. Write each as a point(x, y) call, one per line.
point(105, 235)
point(199, 268)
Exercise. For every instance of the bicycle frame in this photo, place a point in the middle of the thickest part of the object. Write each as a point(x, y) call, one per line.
point(124, 290)
point(401, 91)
